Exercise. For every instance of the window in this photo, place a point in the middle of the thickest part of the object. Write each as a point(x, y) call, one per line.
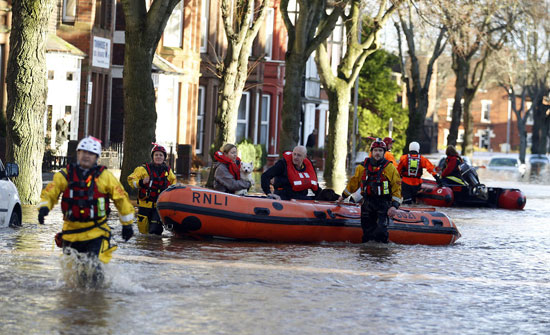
point(529, 139)
point(173, 30)
point(264, 119)
point(69, 10)
point(459, 138)
point(450, 103)
point(530, 121)
point(269, 33)
point(336, 42)
point(293, 9)
point(486, 111)
point(242, 117)
point(200, 122)
point(205, 11)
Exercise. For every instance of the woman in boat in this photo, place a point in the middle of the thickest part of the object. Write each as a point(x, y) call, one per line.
point(451, 172)
point(227, 175)
point(151, 179)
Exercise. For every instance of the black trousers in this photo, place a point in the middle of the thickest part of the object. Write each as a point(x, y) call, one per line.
point(155, 224)
point(374, 219)
point(409, 192)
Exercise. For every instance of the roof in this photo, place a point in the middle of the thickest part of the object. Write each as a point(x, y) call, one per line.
point(161, 65)
point(55, 43)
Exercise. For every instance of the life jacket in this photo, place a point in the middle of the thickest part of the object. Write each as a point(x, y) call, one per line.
point(300, 181)
point(456, 171)
point(158, 182)
point(233, 167)
point(81, 200)
point(374, 182)
point(413, 169)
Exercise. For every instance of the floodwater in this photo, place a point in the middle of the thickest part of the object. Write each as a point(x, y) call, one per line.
point(494, 280)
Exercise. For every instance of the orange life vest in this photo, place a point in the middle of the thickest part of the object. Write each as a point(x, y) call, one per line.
point(158, 182)
point(374, 182)
point(81, 200)
point(300, 181)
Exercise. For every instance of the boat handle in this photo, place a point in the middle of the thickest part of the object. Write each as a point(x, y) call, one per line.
point(331, 214)
point(261, 211)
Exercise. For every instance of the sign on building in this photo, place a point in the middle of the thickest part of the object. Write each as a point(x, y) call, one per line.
point(101, 52)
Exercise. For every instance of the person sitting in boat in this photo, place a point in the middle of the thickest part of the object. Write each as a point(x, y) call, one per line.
point(227, 170)
point(389, 145)
point(293, 176)
point(381, 189)
point(450, 175)
point(150, 179)
point(87, 188)
point(410, 168)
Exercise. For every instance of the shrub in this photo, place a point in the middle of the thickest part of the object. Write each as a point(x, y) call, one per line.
point(255, 153)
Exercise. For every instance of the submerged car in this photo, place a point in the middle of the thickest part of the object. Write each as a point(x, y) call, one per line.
point(506, 164)
point(539, 163)
point(10, 205)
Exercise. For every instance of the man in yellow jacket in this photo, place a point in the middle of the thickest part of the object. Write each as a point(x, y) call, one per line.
point(87, 188)
point(151, 179)
point(381, 189)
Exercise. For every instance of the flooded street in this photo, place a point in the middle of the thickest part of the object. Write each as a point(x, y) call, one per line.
point(494, 280)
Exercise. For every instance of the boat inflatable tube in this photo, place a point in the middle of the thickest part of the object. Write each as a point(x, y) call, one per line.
point(196, 212)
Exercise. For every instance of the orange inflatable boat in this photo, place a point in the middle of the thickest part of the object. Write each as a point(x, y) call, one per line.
point(191, 211)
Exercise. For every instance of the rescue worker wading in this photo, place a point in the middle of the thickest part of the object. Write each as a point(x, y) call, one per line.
point(151, 179)
point(87, 188)
point(410, 169)
point(381, 189)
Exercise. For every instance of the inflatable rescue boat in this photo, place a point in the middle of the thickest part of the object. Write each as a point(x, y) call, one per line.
point(494, 197)
point(196, 212)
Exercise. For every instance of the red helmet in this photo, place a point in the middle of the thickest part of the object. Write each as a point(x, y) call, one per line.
point(378, 144)
point(158, 147)
point(388, 141)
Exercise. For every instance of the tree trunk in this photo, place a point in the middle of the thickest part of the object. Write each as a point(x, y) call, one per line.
point(468, 138)
point(522, 140)
point(461, 68)
point(292, 104)
point(140, 115)
point(26, 82)
point(335, 167)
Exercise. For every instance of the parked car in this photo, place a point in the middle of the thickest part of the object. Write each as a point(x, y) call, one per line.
point(539, 163)
point(506, 164)
point(10, 205)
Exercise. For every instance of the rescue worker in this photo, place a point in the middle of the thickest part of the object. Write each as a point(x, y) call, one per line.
point(450, 175)
point(227, 174)
point(150, 179)
point(381, 190)
point(389, 145)
point(410, 168)
point(87, 188)
point(293, 175)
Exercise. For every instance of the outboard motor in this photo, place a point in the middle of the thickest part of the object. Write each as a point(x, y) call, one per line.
point(469, 175)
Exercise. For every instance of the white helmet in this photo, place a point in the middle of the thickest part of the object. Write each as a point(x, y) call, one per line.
point(90, 144)
point(414, 146)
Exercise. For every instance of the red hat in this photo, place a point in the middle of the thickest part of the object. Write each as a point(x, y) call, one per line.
point(378, 144)
point(158, 147)
point(388, 140)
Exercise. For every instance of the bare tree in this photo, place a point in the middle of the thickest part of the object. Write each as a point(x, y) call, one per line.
point(304, 36)
point(338, 84)
point(417, 83)
point(241, 29)
point(476, 29)
point(27, 89)
point(143, 31)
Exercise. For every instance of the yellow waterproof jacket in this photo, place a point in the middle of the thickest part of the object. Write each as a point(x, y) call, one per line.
point(390, 171)
point(107, 184)
point(139, 173)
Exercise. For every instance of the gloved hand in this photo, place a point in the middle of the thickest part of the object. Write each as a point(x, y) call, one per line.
point(42, 213)
point(438, 180)
point(127, 232)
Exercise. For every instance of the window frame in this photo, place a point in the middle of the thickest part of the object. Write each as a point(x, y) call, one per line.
point(176, 42)
point(245, 121)
point(199, 145)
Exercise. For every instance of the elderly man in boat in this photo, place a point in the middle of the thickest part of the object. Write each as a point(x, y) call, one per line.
point(293, 176)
